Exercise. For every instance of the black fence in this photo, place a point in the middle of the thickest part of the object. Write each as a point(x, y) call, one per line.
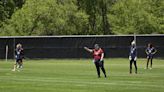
point(72, 46)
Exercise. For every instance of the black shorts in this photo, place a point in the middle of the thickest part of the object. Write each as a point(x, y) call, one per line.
point(18, 60)
point(99, 63)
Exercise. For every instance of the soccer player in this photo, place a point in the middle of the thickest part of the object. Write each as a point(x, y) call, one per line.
point(150, 51)
point(19, 57)
point(133, 57)
point(98, 55)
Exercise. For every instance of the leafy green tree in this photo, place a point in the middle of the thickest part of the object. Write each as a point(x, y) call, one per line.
point(47, 17)
point(137, 16)
point(7, 8)
point(97, 11)
point(84, 17)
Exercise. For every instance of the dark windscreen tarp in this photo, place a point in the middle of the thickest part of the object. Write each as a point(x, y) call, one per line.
point(72, 47)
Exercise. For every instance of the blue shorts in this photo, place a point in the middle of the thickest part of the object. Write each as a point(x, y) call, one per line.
point(150, 56)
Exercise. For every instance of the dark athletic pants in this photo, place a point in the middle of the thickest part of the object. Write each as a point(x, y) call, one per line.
point(100, 64)
point(151, 61)
point(135, 64)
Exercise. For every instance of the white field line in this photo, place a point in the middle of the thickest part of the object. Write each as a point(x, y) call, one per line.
point(120, 83)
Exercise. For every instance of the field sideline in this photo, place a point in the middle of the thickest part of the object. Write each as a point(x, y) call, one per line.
point(69, 75)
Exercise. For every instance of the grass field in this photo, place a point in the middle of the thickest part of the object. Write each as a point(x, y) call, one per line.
point(67, 75)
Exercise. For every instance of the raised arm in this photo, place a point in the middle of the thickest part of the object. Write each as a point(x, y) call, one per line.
point(89, 50)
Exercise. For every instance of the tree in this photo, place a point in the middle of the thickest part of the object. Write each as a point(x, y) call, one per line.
point(81, 17)
point(7, 8)
point(97, 11)
point(47, 17)
point(137, 16)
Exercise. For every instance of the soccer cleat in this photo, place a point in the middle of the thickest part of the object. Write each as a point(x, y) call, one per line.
point(13, 70)
point(145, 68)
point(130, 72)
point(150, 68)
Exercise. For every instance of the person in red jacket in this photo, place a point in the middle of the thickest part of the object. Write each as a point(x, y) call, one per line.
point(98, 58)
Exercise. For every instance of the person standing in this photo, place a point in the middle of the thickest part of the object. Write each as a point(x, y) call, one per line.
point(19, 57)
point(98, 58)
point(150, 51)
point(133, 57)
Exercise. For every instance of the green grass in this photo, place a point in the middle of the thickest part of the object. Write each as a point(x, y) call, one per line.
point(70, 75)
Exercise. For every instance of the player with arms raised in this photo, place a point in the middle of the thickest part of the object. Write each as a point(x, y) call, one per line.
point(98, 55)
